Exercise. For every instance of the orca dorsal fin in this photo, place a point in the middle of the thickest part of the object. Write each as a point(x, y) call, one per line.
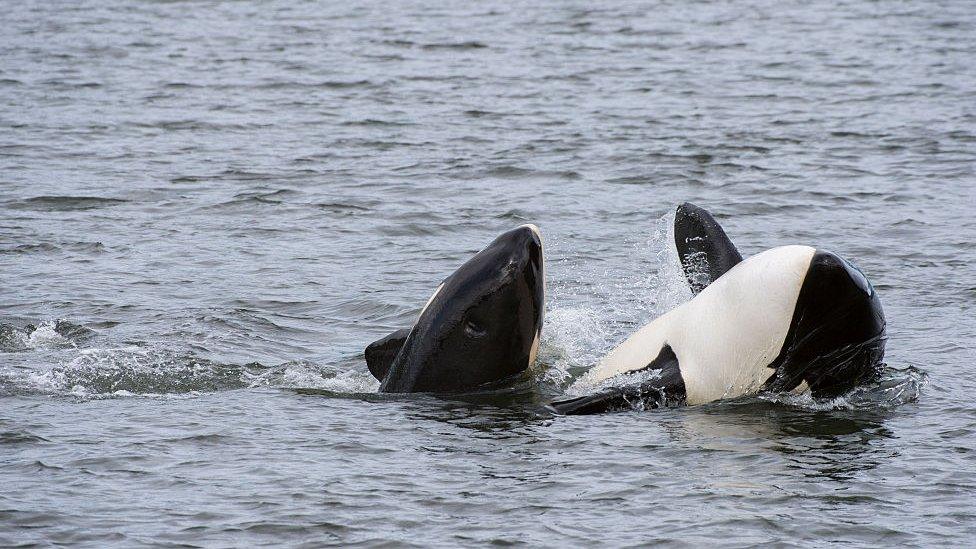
point(705, 250)
point(381, 353)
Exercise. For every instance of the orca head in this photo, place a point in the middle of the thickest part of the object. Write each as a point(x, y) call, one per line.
point(482, 325)
point(836, 337)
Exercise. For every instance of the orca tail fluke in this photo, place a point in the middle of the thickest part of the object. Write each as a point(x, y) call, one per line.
point(705, 250)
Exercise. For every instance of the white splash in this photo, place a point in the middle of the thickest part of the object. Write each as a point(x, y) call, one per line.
point(308, 375)
point(577, 335)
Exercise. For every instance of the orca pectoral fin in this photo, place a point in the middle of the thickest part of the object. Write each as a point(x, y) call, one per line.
point(381, 353)
point(667, 388)
point(647, 395)
point(604, 401)
point(705, 250)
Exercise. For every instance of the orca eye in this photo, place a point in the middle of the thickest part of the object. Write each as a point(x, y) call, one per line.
point(473, 329)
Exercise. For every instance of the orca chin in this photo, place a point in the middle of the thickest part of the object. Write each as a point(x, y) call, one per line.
point(793, 318)
point(481, 326)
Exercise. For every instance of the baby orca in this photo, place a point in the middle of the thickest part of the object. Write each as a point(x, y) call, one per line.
point(481, 326)
point(792, 318)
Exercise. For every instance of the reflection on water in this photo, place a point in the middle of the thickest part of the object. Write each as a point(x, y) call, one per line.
point(829, 445)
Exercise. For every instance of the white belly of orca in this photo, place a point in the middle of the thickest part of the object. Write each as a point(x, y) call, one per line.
point(726, 336)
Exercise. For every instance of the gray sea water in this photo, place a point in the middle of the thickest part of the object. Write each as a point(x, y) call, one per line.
point(208, 209)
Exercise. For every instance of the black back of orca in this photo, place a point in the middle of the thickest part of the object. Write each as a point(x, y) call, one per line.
point(705, 250)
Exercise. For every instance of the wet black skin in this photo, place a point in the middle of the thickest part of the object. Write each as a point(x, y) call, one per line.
point(705, 250)
point(480, 327)
point(836, 338)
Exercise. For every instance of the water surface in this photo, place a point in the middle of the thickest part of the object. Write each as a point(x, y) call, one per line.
point(224, 202)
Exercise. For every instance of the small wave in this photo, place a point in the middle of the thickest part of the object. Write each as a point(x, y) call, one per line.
point(130, 371)
point(517, 215)
point(193, 124)
point(408, 229)
point(347, 208)
point(47, 247)
point(42, 247)
point(343, 84)
point(478, 113)
point(398, 43)
point(467, 45)
point(181, 85)
point(20, 437)
point(268, 196)
point(65, 203)
point(375, 122)
point(135, 371)
point(508, 171)
point(327, 84)
point(256, 198)
point(308, 375)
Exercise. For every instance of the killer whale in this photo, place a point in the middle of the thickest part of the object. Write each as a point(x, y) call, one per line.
point(790, 318)
point(481, 326)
